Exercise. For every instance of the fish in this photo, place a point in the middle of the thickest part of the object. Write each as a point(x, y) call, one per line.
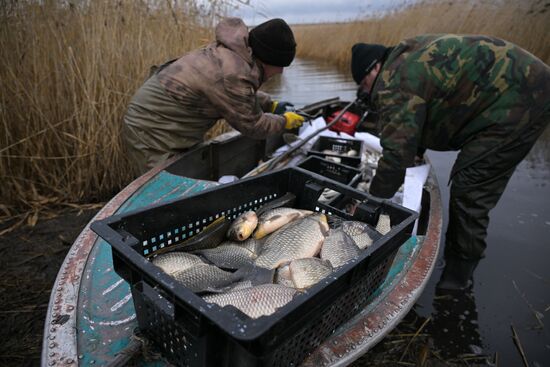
point(353, 227)
point(362, 240)
point(285, 200)
point(283, 277)
point(299, 239)
point(211, 236)
point(204, 278)
point(360, 233)
point(308, 271)
point(233, 254)
point(261, 300)
point(384, 224)
point(339, 248)
point(243, 226)
point(176, 261)
point(274, 219)
point(246, 223)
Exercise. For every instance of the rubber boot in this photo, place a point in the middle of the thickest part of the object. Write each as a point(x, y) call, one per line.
point(457, 273)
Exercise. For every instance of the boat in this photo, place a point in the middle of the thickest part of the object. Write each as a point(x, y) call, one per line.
point(91, 318)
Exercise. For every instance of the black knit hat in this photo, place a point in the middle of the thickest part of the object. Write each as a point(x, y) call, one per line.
point(363, 58)
point(273, 42)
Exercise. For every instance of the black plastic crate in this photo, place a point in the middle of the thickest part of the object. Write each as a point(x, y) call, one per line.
point(339, 148)
point(335, 171)
point(189, 331)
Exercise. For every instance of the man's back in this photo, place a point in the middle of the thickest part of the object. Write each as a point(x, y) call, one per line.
point(466, 84)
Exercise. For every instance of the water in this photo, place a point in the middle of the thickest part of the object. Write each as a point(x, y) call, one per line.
point(512, 283)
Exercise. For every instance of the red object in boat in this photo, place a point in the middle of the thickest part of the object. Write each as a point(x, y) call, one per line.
point(347, 123)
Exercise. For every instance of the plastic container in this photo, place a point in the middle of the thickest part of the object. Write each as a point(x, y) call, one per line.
point(335, 171)
point(339, 148)
point(188, 331)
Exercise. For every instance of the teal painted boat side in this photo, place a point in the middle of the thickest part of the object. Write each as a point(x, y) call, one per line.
point(107, 317)
point(91, 316)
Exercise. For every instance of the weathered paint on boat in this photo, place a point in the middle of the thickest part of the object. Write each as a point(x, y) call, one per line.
point(91, 316)
point(409, 274)
point(81, 329)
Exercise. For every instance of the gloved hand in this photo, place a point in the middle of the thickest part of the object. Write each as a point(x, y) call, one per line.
point(280, 107)
point(293, 120)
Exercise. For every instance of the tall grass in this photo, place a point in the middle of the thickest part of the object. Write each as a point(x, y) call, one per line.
point(67, 71)
point(524, 22)
point(69, 68)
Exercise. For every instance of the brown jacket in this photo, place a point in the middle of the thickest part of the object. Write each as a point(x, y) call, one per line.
point(176, 106)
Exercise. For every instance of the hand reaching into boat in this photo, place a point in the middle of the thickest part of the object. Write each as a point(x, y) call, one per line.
point(293, 120)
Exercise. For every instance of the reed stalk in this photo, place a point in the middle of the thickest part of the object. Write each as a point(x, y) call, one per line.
point(69, 68)
point(523, 22)
point(67, 72)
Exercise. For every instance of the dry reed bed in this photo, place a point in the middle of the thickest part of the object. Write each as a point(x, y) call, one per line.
point(524, 22)
point(66, 76)
point(67, 73)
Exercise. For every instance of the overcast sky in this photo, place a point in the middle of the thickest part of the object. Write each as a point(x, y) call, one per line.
point(311, 11)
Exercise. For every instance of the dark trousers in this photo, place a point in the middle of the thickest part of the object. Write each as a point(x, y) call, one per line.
point(476, 189)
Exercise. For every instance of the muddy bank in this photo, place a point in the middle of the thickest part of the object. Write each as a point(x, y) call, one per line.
point(29, 261)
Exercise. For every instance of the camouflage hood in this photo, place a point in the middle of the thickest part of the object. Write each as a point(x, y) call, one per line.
point(232, 33)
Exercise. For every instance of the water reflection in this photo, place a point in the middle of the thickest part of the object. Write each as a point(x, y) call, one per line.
point(454, 327)
point(305, 82)
point(479, 320)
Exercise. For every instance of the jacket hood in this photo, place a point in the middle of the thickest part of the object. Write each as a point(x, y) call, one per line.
point(233, 34)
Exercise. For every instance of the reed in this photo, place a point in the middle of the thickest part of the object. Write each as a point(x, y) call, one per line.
point(524, 22)
point(69, 68)
point(67, 71)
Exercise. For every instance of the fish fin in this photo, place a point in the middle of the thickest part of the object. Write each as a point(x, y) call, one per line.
point(285, 200)
point(255, 274)
point(273, 218)
point(215, 290)
point(210, 237)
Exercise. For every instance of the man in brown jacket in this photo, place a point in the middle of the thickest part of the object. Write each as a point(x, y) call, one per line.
point(185, 97)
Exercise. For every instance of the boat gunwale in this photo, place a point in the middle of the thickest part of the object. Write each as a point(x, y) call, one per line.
point(60, 332)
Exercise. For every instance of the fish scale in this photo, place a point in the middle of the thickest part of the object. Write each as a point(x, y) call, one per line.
point(262, 300)
point(359, 232)
point(384, 224)
point(339, 248)
point(176, 261)
point(203, 277)
point(232, 254)
point(299, 239)
point(309, 271)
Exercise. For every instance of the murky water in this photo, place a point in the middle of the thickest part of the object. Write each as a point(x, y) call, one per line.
point(512, 283)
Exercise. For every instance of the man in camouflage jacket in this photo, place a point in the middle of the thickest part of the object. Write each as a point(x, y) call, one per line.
point(184, 98)
point(481, 95)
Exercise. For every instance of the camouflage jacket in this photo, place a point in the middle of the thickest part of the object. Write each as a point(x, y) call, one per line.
point(173, 110)
point(450, 92)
